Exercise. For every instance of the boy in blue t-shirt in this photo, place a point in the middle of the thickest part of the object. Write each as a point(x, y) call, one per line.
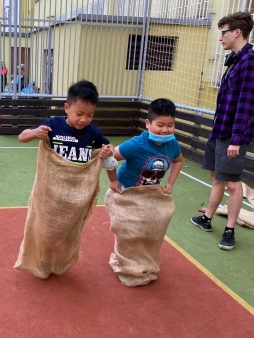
point(75, 136)
point(149, 155)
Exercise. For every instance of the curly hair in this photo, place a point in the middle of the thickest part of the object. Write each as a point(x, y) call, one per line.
point(238, 20)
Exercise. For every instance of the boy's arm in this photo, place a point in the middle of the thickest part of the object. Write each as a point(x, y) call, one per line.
point(109, 150)
point(174, 172)
point(28, 135)
point(117, 154)
point(114, 183)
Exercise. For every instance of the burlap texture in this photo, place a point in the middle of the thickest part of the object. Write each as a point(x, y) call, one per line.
point(248, 193)
point(245, 217)
point(139, 219)
point(61, 200)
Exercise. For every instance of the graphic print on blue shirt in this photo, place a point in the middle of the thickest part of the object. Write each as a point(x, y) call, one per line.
point(73, 144)
point(154, 170)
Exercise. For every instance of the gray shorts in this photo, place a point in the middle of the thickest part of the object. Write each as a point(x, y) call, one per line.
point(216, 159)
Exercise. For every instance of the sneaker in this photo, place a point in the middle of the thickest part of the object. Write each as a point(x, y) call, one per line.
point(206, 226)
point(228, 241)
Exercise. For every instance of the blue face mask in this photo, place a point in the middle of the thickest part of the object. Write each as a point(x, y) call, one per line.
point(160, 138)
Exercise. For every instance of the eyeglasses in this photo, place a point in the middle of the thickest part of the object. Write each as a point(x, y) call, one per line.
point(224, 32)
point(152, 174)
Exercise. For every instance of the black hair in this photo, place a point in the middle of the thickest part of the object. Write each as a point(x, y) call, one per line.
point(238, 20)
point(83, 90)
point(160, 107)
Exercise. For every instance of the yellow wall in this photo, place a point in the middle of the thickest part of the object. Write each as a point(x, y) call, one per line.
point(64, 56)
point(183, 83)
point(103, 53)
point(199, 59)
point(37, 58)
point(67, 56)
point(1, 8)
point(99, 54)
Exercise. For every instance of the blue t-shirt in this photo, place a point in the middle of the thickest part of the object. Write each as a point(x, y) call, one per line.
point(74, 144)
point(145, 162)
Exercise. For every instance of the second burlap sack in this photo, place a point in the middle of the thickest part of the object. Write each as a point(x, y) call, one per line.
point(139, 218)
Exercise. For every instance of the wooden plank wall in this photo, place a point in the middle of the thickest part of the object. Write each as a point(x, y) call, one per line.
point(117, 118)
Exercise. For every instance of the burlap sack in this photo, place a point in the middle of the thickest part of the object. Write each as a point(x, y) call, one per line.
point(139, 219)
point(248, 193)
point(62, 198)
point(244, 219)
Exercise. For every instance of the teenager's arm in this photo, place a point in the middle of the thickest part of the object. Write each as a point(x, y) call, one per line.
point(174, 172)
point(28, 135)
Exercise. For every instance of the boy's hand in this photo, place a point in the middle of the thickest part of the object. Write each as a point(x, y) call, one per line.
point(115, 185)
point(169, 187)
point(42, 132)
point(106, 151)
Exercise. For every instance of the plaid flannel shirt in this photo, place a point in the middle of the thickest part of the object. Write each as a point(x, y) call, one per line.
point(234, 115)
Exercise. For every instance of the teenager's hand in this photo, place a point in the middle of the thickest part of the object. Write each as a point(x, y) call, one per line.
point(42, 132)
point(115, 185)
point(233, 151)
point(106, 151)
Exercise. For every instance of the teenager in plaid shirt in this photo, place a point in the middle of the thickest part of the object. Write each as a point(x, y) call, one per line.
point(233, 127)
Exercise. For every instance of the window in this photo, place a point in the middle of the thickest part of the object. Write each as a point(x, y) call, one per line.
point(159, 54)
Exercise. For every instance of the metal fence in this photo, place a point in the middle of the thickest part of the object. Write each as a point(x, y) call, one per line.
point(130, 49)
point(59, 42)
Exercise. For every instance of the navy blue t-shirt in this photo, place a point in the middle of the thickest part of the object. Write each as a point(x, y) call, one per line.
point(74, 144)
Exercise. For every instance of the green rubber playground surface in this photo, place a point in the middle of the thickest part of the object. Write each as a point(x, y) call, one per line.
point(233, 268)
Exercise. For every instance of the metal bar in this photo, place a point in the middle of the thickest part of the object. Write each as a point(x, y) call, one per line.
point(33, 68)
point(118, 64)
point(195, 109)
point(90, 18)
point(20, 46)
point(15, 16)
point(53, 39)
point(99, 53)
point(144, 41)
point(90, 43)
point(127, 63)
point(2, 59)
point(85, 34)
point(63, 49)
point(58, 63)
point(75, 36)
point(64, 96)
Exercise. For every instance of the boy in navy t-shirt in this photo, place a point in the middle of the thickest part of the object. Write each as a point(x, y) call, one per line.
point(74, 136)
